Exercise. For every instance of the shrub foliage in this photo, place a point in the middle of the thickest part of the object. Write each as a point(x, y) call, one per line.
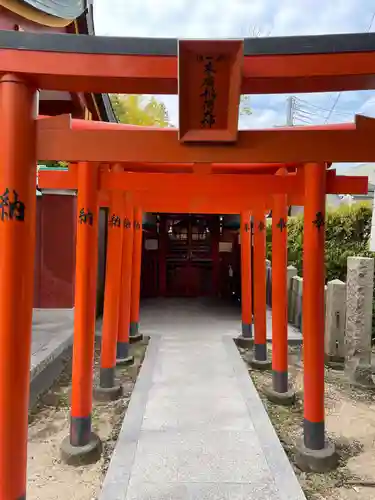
point(347, 234)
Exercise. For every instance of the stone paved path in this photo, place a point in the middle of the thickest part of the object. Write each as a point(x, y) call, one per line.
point(228, 315)
point(195, 427)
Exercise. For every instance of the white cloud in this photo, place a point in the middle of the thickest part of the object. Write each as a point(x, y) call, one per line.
point(214, 18)
point(261, 118)
point(368, 107)
point(239, 18)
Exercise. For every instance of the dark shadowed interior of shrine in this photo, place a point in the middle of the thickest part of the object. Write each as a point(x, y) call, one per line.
point(187, 255)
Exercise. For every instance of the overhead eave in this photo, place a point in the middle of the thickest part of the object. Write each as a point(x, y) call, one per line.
point(55, 12)
point(27, 11)
point(84, 24)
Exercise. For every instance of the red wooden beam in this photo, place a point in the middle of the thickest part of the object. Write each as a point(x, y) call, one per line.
point(209, 205)
point(55, 179)
point(222, 186)
point(67, 122)
point(347, 184)
point(262, 74)
point(267, 146)
point(201, 185)
point(175, 203)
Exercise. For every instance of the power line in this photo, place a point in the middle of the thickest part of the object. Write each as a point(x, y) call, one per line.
point(305, 112)
point(320, 108)
point(371, 23)
point(333, 107)
point(316, 115)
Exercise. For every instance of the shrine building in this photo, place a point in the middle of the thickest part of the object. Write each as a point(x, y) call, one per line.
point(55, 251)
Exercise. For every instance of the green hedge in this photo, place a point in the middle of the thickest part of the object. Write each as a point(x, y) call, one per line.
point(347, 233)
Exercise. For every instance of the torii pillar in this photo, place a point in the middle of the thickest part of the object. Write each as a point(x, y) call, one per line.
point(135, 336)
point(108, 388)
point(280, 393)
point(245, 340)
point(260, 359)
point(315, 453)
point(123, 356)
point(82, 445)
point(18, 111)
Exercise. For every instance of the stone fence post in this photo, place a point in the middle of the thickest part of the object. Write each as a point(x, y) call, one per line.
point(268, 283)
point(296, 301)
point(359, 297)
point(291, 272)
point(334, 339)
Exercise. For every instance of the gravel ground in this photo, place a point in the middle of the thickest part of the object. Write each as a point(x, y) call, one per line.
point(350, 423)
point(48, 477)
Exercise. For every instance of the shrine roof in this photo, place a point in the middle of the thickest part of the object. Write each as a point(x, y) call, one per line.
point(64, 9)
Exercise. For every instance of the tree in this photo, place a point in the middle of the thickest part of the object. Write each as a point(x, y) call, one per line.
point(140, 110)
point(54, 164)
point(245, 108)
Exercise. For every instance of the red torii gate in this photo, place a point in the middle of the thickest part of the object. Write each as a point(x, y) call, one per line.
point(56, 66)
point(286, 189)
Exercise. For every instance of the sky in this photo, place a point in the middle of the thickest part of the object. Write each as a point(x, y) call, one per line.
point(246, 18)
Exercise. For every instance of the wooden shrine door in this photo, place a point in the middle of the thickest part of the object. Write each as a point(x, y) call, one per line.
point(189, 255)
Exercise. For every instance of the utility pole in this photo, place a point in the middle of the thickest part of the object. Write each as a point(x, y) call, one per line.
point(289, 111)
point(289, 123)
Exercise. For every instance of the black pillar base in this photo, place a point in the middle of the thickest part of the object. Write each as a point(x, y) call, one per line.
point(280, 381)
point(134, 335)
point(280, 393)
point(244, 342)
point(323, 460)
point(105, 394)
point(122, 350)
point(125, 361)
point(260, 365)
point(81, 455)
point(133, 339)
point(134, 328)
point(247, 330)
point(259, 360)
point(280, 398)
point(80, 430)
point(107, 377)
point(107, 390)
point(123, 357)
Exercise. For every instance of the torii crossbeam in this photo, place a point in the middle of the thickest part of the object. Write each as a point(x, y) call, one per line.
point(336, 143)
point(215, 193)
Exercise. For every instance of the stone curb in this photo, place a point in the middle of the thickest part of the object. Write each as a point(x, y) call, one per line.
point(48, 361)
point(277, 460)
point(117, 478)
point(47, 364)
